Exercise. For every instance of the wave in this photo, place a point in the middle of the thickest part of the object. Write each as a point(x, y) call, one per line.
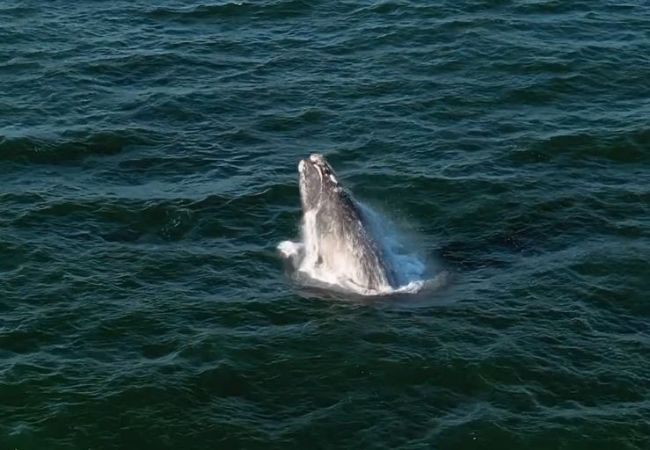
point(288, 122)
point(624, 147)
point(286, 8)
point(73, 149)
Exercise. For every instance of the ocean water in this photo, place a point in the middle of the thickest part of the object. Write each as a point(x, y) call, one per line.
point(148, 155)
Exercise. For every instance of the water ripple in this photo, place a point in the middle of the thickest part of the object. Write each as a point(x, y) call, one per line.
point(148, 170)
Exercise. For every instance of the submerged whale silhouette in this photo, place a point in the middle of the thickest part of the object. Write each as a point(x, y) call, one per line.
point(336, 233)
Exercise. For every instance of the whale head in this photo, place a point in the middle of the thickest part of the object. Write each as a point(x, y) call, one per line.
point(318, 181)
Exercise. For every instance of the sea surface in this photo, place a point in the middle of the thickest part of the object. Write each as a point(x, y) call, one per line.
point(148, 170)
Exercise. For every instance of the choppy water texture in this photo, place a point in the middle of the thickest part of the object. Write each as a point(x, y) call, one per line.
point(148, 157)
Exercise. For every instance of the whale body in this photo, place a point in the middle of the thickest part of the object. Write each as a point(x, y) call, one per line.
point(338, 239)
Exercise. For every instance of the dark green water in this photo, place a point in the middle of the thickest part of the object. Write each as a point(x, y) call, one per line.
point(148, 157)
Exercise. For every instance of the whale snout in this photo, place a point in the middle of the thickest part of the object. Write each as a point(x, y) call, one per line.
point(317, 158)
point(325, 172)
point(317, 180)
point(309, 171)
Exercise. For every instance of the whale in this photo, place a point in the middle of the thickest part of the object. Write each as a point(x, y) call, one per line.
point(337, 235)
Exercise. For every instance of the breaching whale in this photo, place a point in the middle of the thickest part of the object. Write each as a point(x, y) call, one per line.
point(337, 236)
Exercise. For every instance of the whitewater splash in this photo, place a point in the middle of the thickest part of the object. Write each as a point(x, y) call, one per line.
point(345, 245)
